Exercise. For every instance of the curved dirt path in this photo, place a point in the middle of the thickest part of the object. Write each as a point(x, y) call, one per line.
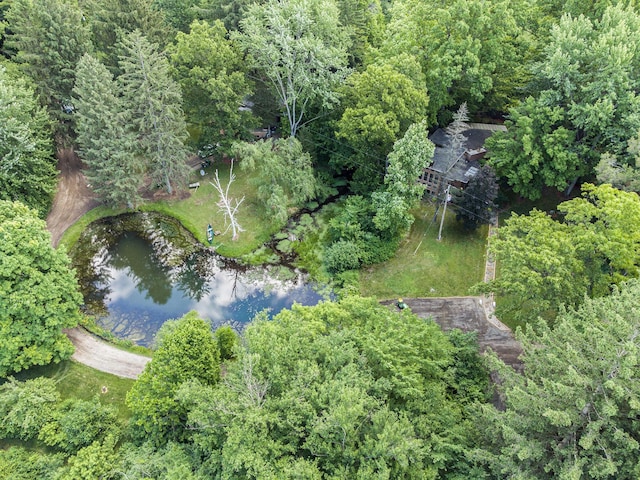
point(73, 199)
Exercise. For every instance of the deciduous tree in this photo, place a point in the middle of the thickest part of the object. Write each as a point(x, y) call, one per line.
point(212, 73)
point(186, 351)
point(410, 156)
point(379, 104)
point(340, 390)
point(38, 293)
point(285, 176)
point(586, 103)
point(301, 50)
point(546, 263)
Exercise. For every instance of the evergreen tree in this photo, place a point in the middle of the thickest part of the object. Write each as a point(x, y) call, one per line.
point(106, 146)
point(573, 412)
point(27, 165)
point(475, 204)
point(48, 38)
point(154, 105)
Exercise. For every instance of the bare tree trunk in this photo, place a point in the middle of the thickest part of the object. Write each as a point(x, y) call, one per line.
point(228, 206)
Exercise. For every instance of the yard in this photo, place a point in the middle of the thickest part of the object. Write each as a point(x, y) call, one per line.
point(426, 267)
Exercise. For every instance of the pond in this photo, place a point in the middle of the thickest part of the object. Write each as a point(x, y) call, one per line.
point(138, 270)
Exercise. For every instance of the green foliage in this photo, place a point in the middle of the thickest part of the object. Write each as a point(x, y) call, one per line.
point(340, 390)
point(301, 49)
point(27, 164)
point(49, 37)
point(285, 176)
point(470, 51)
point(475, 204)
point(545, 263)
point(410, 156)
point(621, 175)
point(227, 340)
point(211, 71)
point(573, 411)
point(109, 21)
point(154, 111)
point(343, 255)
point(38, 293)
point(171, 462)
point(25, 407)
point(106, 146)
point(379, 105)
point(538, 150)
point(187, 350)
point(94, 461)
point(76, 424)
point(586, 103)
point(20, 464)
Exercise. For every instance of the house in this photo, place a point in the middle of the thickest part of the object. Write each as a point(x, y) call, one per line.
point(456, 168)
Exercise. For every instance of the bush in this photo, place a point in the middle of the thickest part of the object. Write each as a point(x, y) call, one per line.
point(343, 255)
point(227, 341)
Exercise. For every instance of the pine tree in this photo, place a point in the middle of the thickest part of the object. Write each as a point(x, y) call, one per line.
point(154, 105)
point(475, 204)
point(27, 164)
point(106, 146)
point(49, 37)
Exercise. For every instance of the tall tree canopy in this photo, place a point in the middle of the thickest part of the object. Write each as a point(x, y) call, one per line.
point(107, 146)
point(38, 293)
point(27, 164)
point(211, 71)
point(187, 350)
point(471, 51)
point(379, 105)
point(546, 263)
point(573, 411)
point(49, 37)
point(586, 104)
point(410, 156)
point(300, 48)
point(109, 21)
point(154, 111)
point(339, 390)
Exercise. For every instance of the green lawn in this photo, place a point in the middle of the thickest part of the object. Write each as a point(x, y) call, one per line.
point(75, 380)
point(426, 267)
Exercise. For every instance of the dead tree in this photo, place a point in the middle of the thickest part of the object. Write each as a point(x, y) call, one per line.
point(228, 206)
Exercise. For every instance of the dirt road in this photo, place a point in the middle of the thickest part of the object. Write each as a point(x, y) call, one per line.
point(73, 197)
point(104, 357)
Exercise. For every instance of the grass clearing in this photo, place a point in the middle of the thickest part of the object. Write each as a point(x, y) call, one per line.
point(75, 380)
point(200, 209)
point(438, 269)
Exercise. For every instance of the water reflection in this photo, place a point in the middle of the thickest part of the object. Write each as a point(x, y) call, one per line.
point(136, 290)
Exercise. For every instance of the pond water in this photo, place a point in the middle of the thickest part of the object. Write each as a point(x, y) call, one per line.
point(134, 278)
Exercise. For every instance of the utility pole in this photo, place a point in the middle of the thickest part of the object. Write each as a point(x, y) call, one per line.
point(444, 211)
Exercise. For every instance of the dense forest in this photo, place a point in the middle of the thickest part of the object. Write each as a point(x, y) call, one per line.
point(346, 93)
